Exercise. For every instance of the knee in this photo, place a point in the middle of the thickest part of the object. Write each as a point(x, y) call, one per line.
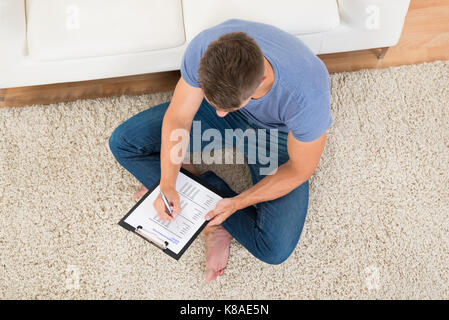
point(276, 255)
point(116, 142)
point(275, 250)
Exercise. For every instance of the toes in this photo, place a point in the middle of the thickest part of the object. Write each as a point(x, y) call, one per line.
point(211, 275)
point(136, 196)
point(139, 194)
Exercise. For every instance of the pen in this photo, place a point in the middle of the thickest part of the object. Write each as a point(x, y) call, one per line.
point(170, 212)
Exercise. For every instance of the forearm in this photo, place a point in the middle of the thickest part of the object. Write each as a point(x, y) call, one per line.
point(286, 179)
point(172, 148)
point(304, 158)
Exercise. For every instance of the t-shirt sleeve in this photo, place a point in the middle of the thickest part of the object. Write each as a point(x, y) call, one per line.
point(191, 61)
point(312, 118)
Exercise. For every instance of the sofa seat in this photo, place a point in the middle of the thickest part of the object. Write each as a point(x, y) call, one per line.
point(294, 16)
point(67, 29)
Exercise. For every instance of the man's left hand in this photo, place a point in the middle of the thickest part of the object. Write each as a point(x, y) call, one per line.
point(224, 208)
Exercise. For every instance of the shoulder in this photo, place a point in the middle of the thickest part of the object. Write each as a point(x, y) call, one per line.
point(305, 79)
point(305, 89)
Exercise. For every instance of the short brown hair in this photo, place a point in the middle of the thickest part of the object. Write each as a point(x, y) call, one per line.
point(231, 69)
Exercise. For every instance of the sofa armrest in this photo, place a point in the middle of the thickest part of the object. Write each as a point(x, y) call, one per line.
point(375, 15)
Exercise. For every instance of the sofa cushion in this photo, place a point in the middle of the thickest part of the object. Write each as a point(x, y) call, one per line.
point(294, 16)
point(64, 29)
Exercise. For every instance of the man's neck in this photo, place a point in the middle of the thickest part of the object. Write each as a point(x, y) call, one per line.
point(268, 82)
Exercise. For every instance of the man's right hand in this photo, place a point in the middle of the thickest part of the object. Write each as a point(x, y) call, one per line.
point(183, 106)
point(174, 201)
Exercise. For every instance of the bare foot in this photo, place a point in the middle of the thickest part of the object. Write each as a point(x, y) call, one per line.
point(218, 241)
point(139, 194)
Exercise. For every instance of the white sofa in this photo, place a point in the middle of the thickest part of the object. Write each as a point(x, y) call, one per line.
point(52, 41)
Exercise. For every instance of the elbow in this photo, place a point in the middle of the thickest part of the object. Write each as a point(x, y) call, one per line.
point(300, 176)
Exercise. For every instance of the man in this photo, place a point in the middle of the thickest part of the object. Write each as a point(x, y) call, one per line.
point(239, 75)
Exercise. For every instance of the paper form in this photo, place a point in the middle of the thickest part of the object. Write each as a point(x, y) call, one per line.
point(196, 202)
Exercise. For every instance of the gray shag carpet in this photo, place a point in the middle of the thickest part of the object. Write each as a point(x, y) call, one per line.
point(377, 226)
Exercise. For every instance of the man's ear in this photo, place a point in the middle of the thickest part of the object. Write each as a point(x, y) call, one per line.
point(264, 78)
point(221, 113)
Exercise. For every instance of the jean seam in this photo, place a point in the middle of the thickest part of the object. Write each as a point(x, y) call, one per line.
point(262, 218)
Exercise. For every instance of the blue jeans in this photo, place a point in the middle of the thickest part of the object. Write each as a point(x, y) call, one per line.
point(270, 230)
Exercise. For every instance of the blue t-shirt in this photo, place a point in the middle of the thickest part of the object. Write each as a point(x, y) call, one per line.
point(298, 101)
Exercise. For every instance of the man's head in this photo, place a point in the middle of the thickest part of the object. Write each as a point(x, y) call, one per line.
point(230, 71)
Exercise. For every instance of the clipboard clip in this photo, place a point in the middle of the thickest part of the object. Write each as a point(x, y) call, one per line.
point(154, 238)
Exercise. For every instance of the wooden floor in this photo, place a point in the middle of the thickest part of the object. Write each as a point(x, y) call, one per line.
point(425, 38)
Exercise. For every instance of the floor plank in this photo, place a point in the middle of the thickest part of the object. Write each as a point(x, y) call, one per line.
point(71, 91)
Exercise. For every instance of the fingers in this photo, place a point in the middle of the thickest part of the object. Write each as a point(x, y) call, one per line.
point(217, 220)
point(174, 201)
point(176, 206)
point(214, 217)
point(161, 210)
point(210, 215)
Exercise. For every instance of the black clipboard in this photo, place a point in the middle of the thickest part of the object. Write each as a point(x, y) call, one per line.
point(153, 238)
